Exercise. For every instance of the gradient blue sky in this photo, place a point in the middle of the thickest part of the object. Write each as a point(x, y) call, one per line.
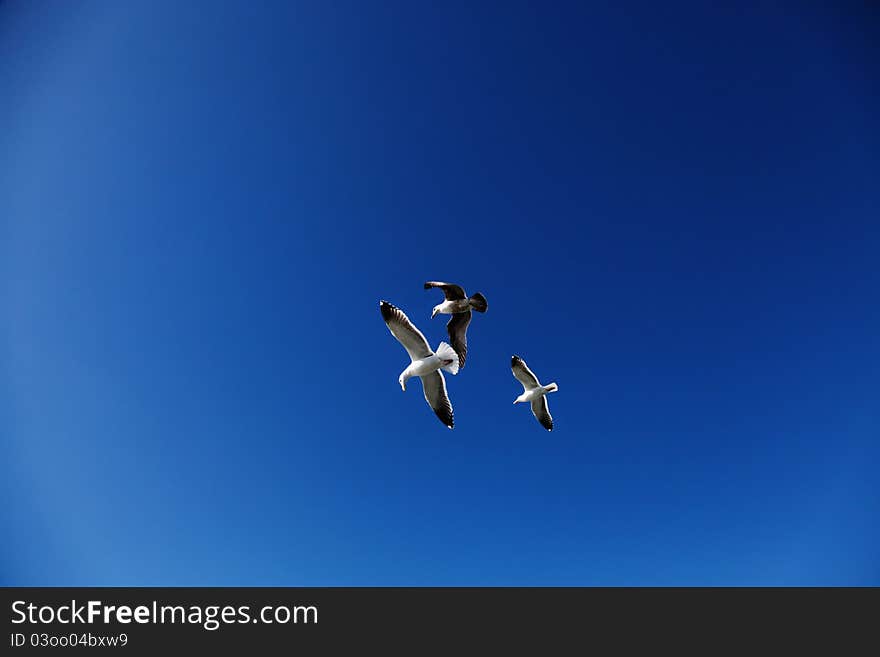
point(672, 210)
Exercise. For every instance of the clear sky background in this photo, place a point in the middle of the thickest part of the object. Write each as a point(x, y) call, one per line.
point(672, 210)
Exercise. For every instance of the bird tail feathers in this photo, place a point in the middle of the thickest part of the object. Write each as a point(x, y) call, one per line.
point(478, 302)
point(551, 387)
point(446, 352)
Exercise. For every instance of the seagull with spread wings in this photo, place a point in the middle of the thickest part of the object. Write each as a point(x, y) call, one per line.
point(533, 391)
point(425, 363)
point(459, 305)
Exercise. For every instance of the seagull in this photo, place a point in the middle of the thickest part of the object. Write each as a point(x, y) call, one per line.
point(425, 364)
point(534, 392)
point(459, 305)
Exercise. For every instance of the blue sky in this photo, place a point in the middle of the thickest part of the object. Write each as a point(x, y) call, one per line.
point(672, 210)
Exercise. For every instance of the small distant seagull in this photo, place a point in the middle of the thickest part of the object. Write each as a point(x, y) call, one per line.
point(459, 305)
point(534, 392)
point(425, 364)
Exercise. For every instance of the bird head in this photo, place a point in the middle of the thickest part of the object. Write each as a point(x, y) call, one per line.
point(435, 311)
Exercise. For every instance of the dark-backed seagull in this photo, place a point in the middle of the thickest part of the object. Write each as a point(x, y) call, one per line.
point(459, 305)
point(533, 391)
point(425, 364)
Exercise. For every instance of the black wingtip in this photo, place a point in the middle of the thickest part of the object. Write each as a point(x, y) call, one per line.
point(386, 309)
point(446, 418)
point(427, 286)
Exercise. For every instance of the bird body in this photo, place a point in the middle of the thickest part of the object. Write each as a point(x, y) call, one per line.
point(451, 307)
point(459, 305)
point(425, 364)
point(533, 392)
point(445, 358)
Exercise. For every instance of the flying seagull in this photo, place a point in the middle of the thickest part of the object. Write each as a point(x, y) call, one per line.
point(425, 364)
point(459, 305)
point(533, 391)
